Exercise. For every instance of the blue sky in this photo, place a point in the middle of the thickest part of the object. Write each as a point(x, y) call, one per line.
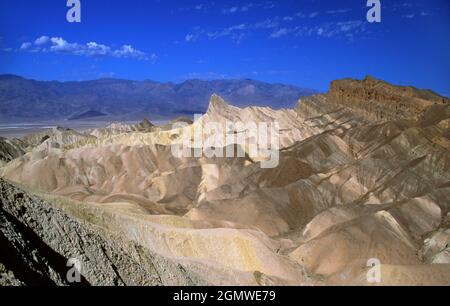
point(301, 42)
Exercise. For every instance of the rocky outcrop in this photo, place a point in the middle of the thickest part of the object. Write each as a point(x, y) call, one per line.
point(9, 150)
point(379, 100)
point(37, 240)
point(144, 127)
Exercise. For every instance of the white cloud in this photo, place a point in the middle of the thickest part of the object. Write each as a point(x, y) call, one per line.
point(348, 25)
point(26, 46)
point(246, 7)
point(280, 33)
point(236, 33)
point(267, 24)
point(310, 15)
point(129, 51)
point(97, 49)
point(278, 27)
point(60, 45)
point(343, 29)
point(42, 40)
point(190, 38)
point(230, 10)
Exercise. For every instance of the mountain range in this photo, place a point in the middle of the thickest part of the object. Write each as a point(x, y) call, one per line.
point(362, 184)
point(25, 99)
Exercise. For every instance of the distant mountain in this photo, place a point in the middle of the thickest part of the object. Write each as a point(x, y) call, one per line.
point(22, 98)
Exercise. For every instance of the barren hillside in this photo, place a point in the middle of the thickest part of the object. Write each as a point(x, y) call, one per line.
point(363, 173)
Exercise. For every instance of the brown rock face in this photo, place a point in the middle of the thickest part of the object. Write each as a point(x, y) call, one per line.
point(379, 100)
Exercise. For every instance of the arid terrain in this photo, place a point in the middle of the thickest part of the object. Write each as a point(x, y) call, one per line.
point(363, 175)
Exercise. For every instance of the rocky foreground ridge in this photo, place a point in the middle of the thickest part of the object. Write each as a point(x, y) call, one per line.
point(363, 174)
point(9, 150)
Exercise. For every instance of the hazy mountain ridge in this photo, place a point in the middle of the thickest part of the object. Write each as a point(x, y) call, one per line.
point(22, 98)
